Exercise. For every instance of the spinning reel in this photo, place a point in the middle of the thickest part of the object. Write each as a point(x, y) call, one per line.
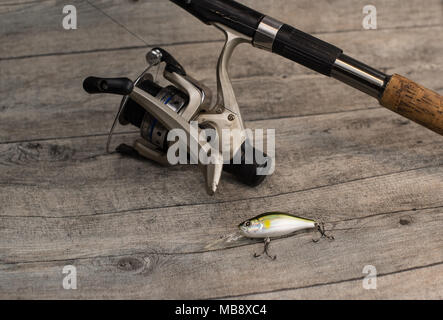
point(157, 110)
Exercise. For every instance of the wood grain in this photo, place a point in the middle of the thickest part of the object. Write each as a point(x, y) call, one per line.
point(137, 230)
point(199, 227)
point(74, 177)
point(381, 240)
point(421, 282)
point(414, 102)
point(35, 28)
point(48, 90)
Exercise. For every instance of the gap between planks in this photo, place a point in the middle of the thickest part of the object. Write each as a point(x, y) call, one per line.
point(252, 242)
point(46, 139)
point(316, 285)
point(132, 210)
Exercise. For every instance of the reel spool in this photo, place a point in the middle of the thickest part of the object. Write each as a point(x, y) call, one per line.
point(150, 128)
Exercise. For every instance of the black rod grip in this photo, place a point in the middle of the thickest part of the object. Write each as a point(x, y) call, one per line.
point(120, 86)
point(227, 12)
point(305, 49)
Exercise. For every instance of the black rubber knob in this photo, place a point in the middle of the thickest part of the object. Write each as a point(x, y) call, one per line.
point(120, 86)
point(248, 173)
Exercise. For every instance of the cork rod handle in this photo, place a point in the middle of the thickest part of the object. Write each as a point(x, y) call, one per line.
point(414, 102)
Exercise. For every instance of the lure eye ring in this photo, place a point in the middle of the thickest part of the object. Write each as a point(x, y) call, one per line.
point(248, 223)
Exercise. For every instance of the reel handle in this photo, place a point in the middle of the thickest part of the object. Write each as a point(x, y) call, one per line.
point(120, 86)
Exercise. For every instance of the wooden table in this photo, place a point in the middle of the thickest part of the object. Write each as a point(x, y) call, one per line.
point(134, 229)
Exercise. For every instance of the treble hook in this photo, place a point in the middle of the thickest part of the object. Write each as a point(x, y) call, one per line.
point(266, 250)
point(321, 228)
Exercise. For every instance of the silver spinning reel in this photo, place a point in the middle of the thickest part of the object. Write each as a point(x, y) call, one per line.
point(157, 110)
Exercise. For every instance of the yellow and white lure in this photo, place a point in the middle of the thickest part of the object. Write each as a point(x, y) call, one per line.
point(278, 224)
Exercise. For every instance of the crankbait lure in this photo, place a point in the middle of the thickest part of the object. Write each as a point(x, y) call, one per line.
point(278, 224)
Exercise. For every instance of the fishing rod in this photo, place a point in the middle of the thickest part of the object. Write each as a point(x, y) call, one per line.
point(157, 110)
point(394, 92)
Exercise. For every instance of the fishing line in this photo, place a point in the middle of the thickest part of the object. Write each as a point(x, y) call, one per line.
point(139, 78)
point(147, 44)
point(117, 23)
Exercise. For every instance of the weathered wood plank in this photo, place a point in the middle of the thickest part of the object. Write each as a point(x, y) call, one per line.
point(423, 283)
point(383, 240)
point(36, 28)
point(195, 228)
point(49, 89)
point(64, 201)
point(74, 177)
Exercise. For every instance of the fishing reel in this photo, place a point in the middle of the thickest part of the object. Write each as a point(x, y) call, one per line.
point(188, 105)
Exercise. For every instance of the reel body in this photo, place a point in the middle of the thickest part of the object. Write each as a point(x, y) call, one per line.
point(157, 110)
point(150, 128)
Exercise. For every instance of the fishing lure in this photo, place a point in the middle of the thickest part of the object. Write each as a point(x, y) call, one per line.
point(278, 224)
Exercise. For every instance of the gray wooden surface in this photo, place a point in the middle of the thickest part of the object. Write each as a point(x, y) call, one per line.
point(136, 230)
